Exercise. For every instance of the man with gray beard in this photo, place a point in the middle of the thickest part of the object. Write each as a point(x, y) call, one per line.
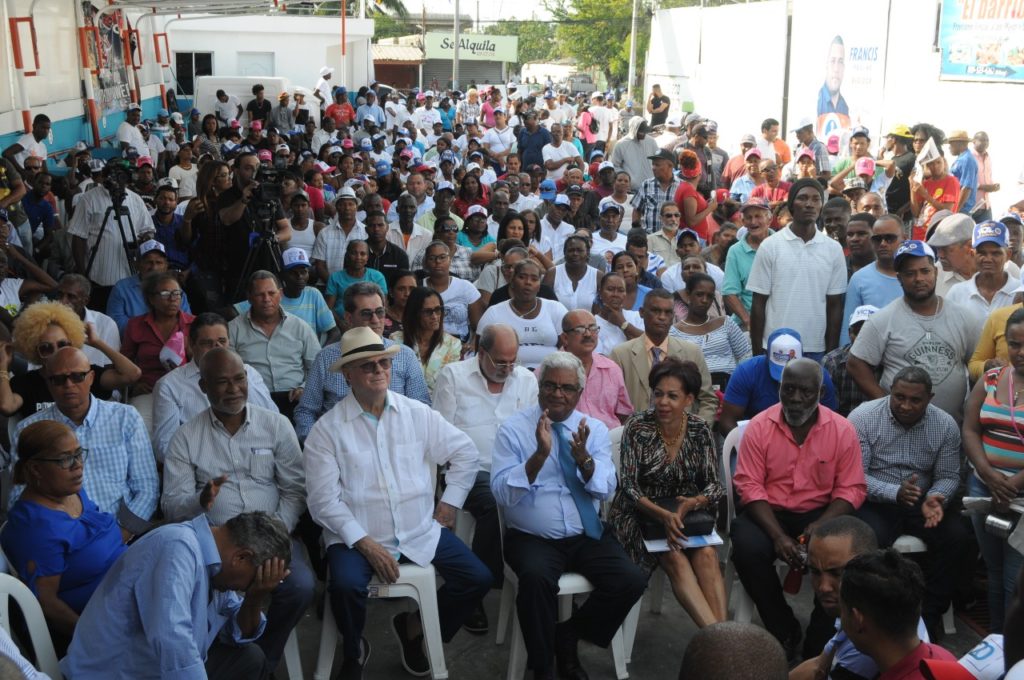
point(798, 465)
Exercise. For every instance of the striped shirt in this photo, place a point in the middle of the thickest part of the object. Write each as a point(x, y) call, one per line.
point(648, 200)
point(325, 388)
point(331, 243)
point(1004, 448)
point(111, 263)
point(722, 348)
point(178, 399)
point(121, 473)
point(262, 462)
point(892, 452)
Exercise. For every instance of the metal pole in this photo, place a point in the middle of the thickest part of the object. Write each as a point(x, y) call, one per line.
point(632, 54)
point(455, 54)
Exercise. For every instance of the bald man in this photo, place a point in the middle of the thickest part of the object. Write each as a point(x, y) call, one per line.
point(238, 457)
point(121, 475)
point(733, 651)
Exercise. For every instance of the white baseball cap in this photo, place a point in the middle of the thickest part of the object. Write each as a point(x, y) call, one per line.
point(295, 257)
point(475, 210)
point(862, 313)
point(149, 246)
point(783, 346)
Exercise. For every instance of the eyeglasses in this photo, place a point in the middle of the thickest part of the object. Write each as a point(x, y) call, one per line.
point(583, 330)
point(76, 377)
point(68, 461)
point(551, 387)
point(367, 314)
point(506, 365)
point(371, 367)
point(170, 294)
point(432, 311)
point(45, 349)
point(884, 238)
point(436, 258)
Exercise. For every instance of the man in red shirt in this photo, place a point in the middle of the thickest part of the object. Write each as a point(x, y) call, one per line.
point(799, 464)
point(341, 110)
point(879, 607)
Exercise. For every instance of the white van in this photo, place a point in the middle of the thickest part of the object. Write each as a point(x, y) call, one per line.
point(241, 86)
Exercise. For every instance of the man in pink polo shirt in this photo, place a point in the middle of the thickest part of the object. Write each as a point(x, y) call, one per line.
point(605, 396)
point(798, 465)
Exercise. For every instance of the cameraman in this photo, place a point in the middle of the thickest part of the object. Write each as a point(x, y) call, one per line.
point(96, 235)
point(238, 209)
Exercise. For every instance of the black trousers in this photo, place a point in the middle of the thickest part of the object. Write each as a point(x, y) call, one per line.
point(539, 562)
point(284, 404)
point(225, 662)
point(487, 534)
point(753, 555)
point(946, 543)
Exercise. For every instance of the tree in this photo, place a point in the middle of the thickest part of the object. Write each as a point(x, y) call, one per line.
point(596, 34)
point(331, 7)
point(536, 39)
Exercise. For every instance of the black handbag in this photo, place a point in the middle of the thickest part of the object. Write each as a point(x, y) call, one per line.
point(696, 522)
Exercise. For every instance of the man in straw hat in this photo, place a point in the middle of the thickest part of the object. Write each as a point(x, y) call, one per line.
point(370, 465)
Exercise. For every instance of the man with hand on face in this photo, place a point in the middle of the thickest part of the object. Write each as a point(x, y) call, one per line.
point(551, 469)
point(235, 456)
point(799, 465)
point(170, 606)
point(370, 465)
point(911, 453)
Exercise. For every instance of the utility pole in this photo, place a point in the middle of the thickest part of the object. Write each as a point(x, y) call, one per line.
point(632, 54)
point(455, 54)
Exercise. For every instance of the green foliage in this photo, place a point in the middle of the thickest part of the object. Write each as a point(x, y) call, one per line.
point(596, 33)
point(387, 26)
point(331, 8)
point(536, 39)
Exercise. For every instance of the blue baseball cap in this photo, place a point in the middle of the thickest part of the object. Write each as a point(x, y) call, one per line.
point(548, 190)
point(595, 153)
point(784, 345)
point(688, 232)
point(912, 249)
point(162, 113)
point(991, 231)
point(382, 168)
point(366, 143)
point(447, 157)
point(1012, 217)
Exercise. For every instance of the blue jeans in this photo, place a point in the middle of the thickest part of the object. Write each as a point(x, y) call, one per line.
point(1002, 562)
point(466, 581)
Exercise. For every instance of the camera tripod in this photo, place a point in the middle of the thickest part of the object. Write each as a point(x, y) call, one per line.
point(119, 211)
point(264, 253)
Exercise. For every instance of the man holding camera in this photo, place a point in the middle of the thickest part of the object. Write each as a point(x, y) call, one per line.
point(102, 237)
point(249, 207)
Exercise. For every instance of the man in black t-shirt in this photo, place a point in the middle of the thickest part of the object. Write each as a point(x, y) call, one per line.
point(897, 195)
point(259, 108)
point(657, 106)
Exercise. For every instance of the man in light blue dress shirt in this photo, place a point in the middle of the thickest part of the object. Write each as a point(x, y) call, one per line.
point(170, 608)
point(551, 468)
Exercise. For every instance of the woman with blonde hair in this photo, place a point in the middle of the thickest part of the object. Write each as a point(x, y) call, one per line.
point(39, 331)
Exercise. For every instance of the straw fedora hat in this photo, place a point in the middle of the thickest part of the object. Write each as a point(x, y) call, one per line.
point(362, 343)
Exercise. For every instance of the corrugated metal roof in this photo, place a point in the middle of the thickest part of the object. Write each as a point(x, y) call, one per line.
point(396, 54)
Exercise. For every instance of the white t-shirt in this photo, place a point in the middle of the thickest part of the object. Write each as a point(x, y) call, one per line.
point(129, 134)
point(611, 336)
point(537, 337)
point(672, 278)
point(186, 180)
point(602, 246)
point(30, 147)
point(606, 119)
point(227, 111)
point(425, 118)
point(551, 152)
point(499, 140)
point(323, 86)
point(457, 298)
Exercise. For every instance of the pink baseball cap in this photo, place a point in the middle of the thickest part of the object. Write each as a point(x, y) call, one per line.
point(265, 155)
point(865, 166)
point(256, 125)
point(832, 144)
point(347, 144)
point(144, 160)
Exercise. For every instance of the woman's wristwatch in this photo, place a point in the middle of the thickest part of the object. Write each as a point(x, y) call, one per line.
point(624, 325)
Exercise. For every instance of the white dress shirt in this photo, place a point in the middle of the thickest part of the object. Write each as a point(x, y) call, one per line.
point(177, 399)
point(462, 397)
point(375, 477)
point(111, 263)
point(262, 462)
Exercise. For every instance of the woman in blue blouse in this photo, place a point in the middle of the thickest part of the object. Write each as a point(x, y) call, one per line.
point(56, 538)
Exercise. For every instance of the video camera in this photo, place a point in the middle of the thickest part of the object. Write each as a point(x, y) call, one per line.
point(117, 177)
point(267, 198)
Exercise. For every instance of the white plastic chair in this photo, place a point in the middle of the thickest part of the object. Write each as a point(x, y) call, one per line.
point(418, 583)
point(292, 659)
point(42, 645)
point(912, 544)
point(465, 526)
point(569, 584)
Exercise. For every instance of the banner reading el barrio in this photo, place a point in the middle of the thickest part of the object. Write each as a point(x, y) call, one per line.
point(982, 41)
point(473, 47)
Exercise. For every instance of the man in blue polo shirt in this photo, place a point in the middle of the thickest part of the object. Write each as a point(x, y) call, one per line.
point(754, 385)
point(126, 299)
point(532, 138)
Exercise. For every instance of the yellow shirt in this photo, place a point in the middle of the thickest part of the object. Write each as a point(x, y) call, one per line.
point(648, 346)
point(992, 341)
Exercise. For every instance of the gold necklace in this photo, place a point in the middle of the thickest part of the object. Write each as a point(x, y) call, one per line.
point(671, 443)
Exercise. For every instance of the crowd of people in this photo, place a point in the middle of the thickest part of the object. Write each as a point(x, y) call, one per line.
point(236, 353)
